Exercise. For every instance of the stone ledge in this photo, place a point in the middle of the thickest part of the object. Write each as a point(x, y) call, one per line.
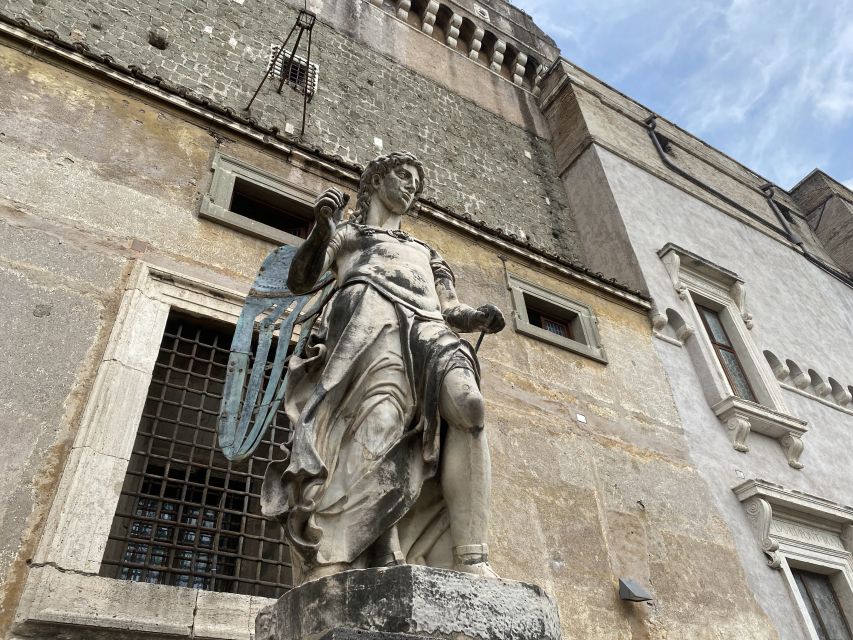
point(413, 601)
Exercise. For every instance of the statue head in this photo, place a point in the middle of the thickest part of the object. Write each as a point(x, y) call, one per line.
point(397, 179)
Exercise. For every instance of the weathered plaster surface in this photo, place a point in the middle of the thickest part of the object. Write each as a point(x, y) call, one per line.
point(582, 109)
point(798, 313)
point(579, 505)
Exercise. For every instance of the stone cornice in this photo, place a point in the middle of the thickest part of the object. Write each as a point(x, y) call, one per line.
point(787, 521)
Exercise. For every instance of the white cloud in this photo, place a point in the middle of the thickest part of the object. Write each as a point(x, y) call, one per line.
point(769, 82)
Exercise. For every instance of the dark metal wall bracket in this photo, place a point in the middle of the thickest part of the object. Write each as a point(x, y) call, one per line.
point(304, 23)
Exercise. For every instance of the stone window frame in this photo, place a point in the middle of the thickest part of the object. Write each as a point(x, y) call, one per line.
point(803, 531)
point(696, 279)
point(587, 322)
point(215, 203)
point(63, 589)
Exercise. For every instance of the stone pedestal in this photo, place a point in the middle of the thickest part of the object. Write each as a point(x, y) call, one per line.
point(410, 602)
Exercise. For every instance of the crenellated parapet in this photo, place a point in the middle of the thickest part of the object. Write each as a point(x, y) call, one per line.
point(501, 37)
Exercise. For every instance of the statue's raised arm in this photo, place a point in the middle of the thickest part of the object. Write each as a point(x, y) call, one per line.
point(313, 259)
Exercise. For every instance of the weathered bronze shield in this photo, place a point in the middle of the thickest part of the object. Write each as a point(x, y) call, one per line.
point(254, 383)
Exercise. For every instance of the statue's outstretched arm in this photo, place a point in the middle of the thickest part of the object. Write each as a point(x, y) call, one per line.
point(313, 258)
point(463, 318)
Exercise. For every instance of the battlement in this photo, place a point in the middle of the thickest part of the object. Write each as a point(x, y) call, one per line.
point(494, 33)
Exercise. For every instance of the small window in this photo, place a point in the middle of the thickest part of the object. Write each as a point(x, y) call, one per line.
point(298, 72)
point(549, 317)
point(822, 605)
point(726, 353)
point(268, 207)
point(257, 203)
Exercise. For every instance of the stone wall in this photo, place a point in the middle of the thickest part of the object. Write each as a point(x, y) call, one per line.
point(828, 206)
point(592, 479)
point(630, 205)
point(480, 136)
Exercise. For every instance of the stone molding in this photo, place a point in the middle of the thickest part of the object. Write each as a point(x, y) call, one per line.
point(587, 344)
point(743, 417)
point(788, 522)
point(215, 203)
point(811, 384)
point(64, 592)
point(496, 62)
point(696, 278)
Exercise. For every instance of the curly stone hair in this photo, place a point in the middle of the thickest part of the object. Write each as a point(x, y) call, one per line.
point(381, 166)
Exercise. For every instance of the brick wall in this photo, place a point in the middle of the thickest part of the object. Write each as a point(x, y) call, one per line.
point(476, 161)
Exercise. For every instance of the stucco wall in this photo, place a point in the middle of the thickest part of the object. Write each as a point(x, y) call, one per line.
point(799, 313)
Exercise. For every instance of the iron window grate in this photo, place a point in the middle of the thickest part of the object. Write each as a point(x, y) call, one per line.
point(298, 71)
point(186, 516)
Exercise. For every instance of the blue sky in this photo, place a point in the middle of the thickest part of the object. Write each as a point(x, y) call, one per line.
point(769, 82)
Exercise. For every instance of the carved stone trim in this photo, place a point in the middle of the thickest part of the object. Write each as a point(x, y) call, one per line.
point(760, 515)
point(742, 417)
point(672, 262)
point(498, 56)
point(403, 7)
point(787, 520)
point(476, 43)
point(738, 293)
point(453, 30)
point(428, 24)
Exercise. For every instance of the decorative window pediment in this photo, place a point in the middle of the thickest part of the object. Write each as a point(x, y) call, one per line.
point(786, 521)
point(738, 383)
point(809, 540)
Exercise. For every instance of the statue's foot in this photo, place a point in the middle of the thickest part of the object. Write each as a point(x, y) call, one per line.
point(473, 558)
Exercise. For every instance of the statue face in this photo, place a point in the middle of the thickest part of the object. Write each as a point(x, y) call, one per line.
point(397, 188)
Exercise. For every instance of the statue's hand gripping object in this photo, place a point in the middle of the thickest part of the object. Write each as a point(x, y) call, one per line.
point(388, 460)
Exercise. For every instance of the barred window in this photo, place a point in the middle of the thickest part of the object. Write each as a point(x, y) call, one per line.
point(298, 73)
point(186, 516)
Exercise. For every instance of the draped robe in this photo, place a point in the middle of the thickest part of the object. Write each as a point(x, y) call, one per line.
point(363, 403)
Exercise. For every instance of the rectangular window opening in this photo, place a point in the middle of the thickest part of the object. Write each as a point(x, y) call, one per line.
point(552, 318)
point(186, 516)
point(726, 353)
point(822, 604)
point(298, 71)
point(268, 207)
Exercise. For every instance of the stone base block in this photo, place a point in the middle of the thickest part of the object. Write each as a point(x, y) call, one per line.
point(409, 602)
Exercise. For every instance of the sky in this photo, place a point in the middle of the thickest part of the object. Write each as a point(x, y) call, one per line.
point(769, 82)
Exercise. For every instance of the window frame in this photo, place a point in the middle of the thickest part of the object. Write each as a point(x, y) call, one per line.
point(802, 531)
point(703, 312)
point(585, 324)
point(700, 282)
point(63, 581)
point(216, 202)
point(799, 572)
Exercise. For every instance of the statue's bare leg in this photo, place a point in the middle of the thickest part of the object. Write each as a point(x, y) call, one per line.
point(466, 471)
